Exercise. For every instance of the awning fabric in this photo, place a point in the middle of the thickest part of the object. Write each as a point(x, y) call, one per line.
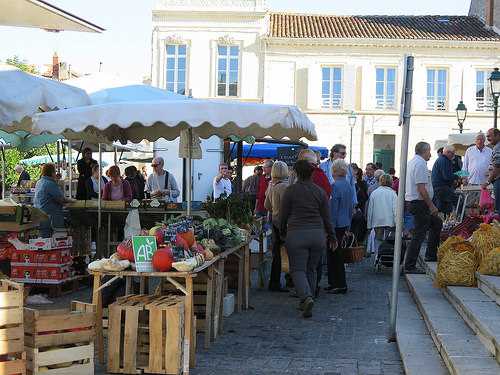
point(42, 15)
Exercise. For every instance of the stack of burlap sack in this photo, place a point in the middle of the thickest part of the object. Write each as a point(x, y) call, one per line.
point(459, 259)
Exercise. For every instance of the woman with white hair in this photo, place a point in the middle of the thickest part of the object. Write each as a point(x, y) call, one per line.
point(341, 208)
point(272, 203)
point(23, 175)
point(376, 175)
point(381, 209)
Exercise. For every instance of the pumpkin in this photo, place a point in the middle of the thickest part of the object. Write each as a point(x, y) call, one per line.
point(162, 260)
point(181, 242)
point(125, 250)
point(188, 237)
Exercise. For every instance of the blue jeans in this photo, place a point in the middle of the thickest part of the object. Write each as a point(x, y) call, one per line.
point(496, 190)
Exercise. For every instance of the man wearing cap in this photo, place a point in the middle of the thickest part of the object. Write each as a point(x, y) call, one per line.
point(161, 184)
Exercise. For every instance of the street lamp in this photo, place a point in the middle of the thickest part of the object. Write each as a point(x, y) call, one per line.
point(495, 91)
point(461, 115)
point(351, 120)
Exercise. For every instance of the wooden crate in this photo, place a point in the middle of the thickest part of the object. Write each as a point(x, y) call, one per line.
point(12, 355)
point(60, 342)
point(146, 333)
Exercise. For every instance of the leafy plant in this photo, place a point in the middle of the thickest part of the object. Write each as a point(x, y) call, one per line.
point(236, 208)
point(22, 64)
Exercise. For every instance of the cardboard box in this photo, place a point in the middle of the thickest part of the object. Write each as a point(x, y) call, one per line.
point(41, 244)
point(39, 273)
point(56, 257)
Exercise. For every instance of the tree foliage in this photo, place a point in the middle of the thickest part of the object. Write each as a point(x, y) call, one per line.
point(14, 156)
point(22, 64)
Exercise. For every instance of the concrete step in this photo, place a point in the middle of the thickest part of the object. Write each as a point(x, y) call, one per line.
point(490, 285)
point(417, 350)
point(461, 350)
point(480, 313)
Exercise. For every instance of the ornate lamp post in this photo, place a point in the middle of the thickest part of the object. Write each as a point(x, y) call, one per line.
point(351, 119)
point(495, 91)
point(461, 115)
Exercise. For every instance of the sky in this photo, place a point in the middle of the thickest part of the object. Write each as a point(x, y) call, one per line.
point(125, 47)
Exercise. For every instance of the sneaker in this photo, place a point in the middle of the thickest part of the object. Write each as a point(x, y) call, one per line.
point(414, 271)
point(307, 307)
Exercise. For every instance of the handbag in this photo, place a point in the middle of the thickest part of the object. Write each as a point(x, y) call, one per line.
point(353, 253)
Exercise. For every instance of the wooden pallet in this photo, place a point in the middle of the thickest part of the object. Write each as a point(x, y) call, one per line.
point(12, 355)
point(146, 332)
point(60, 342)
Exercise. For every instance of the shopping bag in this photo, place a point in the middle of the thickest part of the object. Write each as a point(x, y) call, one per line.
point(485, 200)
point(132, 224)
point(353, 253)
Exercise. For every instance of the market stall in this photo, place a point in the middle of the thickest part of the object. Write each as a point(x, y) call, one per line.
point(189, 119)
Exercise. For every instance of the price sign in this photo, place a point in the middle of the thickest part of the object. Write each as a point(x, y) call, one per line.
point(144, 247)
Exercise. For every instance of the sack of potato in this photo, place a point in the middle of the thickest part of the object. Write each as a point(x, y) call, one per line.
point(457, 266)
point(490, 264)
point(485, 239)
point(447, 245)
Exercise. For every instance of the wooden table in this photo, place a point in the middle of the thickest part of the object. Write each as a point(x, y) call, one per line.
point(183, 281)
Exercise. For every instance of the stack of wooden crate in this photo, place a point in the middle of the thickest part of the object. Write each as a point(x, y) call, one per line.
point(146, 332)
point(12, 355)
point(60, 342)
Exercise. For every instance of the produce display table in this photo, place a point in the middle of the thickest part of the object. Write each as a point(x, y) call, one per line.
point(183, 282)
point(162, 213)
point(466, 194)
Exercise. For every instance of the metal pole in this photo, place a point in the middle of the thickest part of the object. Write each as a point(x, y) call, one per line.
point(239, 166)
point(116, 156)
point(188, 169)
point(99, 203)
point(58, 156)
point(70, 172)
point(408, 89)
point(495, 112)
point(350, 148)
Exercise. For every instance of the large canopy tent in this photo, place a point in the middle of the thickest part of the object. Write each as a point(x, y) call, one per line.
point(43, 15)
point(151, 120)
point(23, 94)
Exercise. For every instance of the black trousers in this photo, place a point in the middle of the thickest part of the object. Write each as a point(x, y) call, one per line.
point(424, 222)
point(335, 262)
point(274, 280)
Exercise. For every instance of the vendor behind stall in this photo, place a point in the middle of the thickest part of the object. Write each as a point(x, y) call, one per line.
point(117, 189)
point(136, 181)
point(84, 166)
point(23, 175)
point(92, 183)
point(50, 199)
point(161, 184)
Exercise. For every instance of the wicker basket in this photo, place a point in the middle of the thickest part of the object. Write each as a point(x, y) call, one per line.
point(354, 254)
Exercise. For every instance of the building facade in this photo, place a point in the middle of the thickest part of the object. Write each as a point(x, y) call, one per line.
point(330, 66)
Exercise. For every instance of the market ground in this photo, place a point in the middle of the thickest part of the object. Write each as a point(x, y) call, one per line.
point(346, 336)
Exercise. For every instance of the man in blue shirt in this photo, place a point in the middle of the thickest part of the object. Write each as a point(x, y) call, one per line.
point(443, 180)
point(337, 152)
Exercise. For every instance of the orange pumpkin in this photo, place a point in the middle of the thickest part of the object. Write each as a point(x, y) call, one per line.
point(162, 260)
point(188, 237)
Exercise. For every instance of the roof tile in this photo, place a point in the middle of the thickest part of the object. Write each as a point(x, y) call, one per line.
point(461, 28)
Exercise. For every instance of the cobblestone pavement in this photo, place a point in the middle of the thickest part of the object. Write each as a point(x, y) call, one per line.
point(346, 335)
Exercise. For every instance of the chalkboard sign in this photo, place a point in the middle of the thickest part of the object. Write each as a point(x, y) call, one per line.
point(288, 154)
point(144, 247)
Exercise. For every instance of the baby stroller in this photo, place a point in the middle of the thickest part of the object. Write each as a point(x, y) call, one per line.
point(386, 239)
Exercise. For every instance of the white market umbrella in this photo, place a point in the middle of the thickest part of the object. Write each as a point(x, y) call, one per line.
point(150, 120)
point(42, 15)
point(133, 93)
point(97, 81)
point(23, 94)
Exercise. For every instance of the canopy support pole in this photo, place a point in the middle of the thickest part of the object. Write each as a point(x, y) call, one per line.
point(70, 172)
point(50, 155)
point(3, 172)
point(99, 247)
point(79, 151)
point(239, 166)
point(189, 172)
point(406, 116)
point(58, 156)
point(115, 156)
